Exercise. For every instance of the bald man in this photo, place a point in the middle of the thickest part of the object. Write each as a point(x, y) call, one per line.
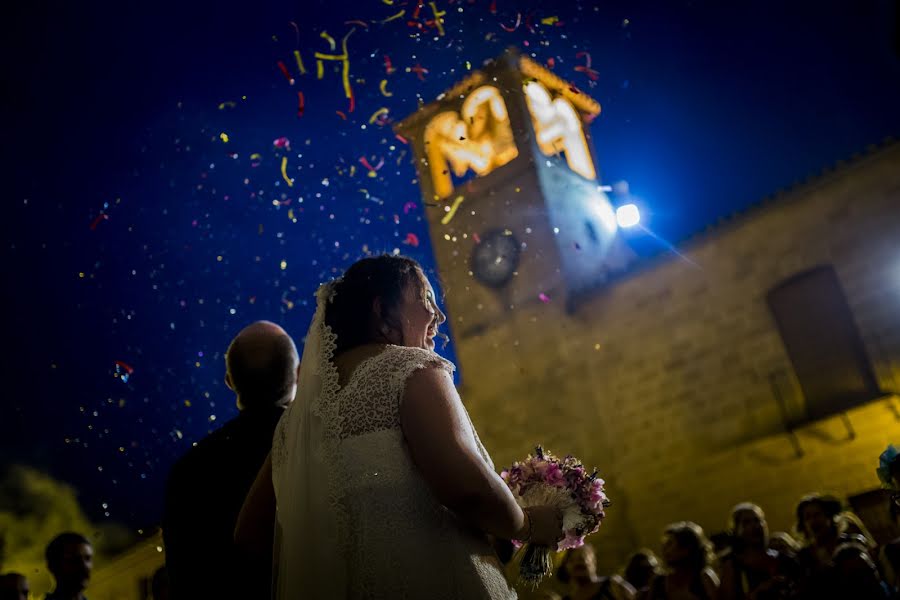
point(207, 486)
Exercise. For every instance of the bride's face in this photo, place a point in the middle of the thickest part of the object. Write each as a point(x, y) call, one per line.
point(420, 315)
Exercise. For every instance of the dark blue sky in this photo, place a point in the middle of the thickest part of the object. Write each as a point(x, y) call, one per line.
point(114, 111)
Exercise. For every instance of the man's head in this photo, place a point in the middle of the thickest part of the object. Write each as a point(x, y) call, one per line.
point(13, 586)
point(70, 559)
point(749, 525)
point(261, 366)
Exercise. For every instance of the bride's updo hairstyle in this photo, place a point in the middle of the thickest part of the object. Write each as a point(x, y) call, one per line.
point(351, 316)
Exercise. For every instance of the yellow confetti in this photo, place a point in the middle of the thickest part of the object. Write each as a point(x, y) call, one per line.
point(290, 181)
point(299, 62)
point(227, 104)
point(343, 57)
point(376, 114)
point(291, 215)
point(283, 265)
point(468, 66)
point(452, 212)
point(550, 20)
point(255, 156)
point(395, 17)
point(438, 21)
point(330, 39)
point(383, 88)
point(388, 2)
point(224, 137)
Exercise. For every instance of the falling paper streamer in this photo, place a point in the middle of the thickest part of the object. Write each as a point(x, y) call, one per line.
point(452, 212)
point(284, 174)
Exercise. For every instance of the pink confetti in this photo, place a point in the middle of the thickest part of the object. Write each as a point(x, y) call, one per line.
point(544, 297)
point(282, 142)
point(408, 207)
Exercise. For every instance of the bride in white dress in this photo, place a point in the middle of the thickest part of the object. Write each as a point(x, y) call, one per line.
point(381, 486)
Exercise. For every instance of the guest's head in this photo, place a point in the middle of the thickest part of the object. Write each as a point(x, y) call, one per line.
point(70, 559)
point(856, 571)
point(685, 547)
point(13, 586)
point(642, 566)
point(261, 366)
point(578, 564)
point(749, 526)
point(784, 543)
point(384, 300)
point(816, 517)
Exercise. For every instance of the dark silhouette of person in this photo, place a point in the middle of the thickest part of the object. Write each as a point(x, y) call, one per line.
point(14, 586)
point(70, 559)
point(207, 486)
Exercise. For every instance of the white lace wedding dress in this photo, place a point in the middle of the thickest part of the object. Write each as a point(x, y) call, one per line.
point(396, 540)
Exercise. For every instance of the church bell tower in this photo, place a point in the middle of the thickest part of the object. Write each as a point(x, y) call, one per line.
point(516, 212)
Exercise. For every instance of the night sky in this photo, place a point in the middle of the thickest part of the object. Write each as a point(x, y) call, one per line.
point(134, 232)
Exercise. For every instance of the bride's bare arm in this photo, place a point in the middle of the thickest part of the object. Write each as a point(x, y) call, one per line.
point(254, 531)
point(443, 447)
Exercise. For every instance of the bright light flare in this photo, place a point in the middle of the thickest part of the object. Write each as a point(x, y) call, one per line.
point(628, 215)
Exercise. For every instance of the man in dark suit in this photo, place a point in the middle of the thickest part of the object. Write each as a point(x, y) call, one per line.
point(207, 486)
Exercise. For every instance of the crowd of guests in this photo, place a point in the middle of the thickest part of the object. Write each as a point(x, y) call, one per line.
point(830, 556)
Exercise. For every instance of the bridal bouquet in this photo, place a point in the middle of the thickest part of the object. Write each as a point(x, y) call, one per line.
point(543, 479)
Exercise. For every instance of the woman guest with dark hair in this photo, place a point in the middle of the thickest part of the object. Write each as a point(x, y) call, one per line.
point(818, 529)
point(688, 557)
point(750, 569)
point(579, 569)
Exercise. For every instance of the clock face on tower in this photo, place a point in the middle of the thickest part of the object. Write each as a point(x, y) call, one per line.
point(495, 258)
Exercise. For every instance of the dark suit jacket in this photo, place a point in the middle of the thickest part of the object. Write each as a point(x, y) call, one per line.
point(204, 495)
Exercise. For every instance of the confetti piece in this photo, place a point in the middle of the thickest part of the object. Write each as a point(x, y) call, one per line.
point(301, 104)
point(544, 297)
point(412, 240)
point(438, 21)
point(394, 17)
point(123, 371)
point(550, 20)
point(383, 88)
point(296, 32)
point(227, 104)
point(516, 26)
point(285, 72)
point(408, 207)
point(224, 137)
point(255, 159)
point(299, 59)
point(551, 62)
point(289, 181)
point(100, 217)
point(477, 238)
point(388, 66)
point(352, 99)
point(356, 22)
point(586, 68)
point(401, 138)
point(418, 70)
point(452, 212)
point(388, 2)
point(493, 7)
point(330, 39)
point(376, 114)
point(341, 115)
point(282, 143)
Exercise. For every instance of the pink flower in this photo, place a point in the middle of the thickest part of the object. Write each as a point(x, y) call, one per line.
point(554, 476)
point(572, 540)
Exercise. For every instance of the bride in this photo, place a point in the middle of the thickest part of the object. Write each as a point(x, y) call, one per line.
point(381, 486)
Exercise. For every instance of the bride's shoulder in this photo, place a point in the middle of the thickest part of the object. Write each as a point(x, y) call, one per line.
point(407, 359)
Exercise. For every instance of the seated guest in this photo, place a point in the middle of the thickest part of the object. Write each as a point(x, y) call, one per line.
point(70, 559)
point(642, 566)
point(13, 586)
point(579, 570)
point(688, 558)
point(207, 487)
point(750, 569)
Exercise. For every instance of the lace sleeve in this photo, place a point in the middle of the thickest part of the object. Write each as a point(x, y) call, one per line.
point(405, 361)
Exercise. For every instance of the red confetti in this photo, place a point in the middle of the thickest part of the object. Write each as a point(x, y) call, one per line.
point(128, 369)
point(476, 237)
point(301, 104)
point(412, 240)
point(586, 68)
point(341, 115)
point(401, 138)
point(357, 22)
point(100, 217)
point(551, 63)
point(415, 14)
point(388, 66)
point(420, 71)
point(282, 142)
point(285, 72)
point(493, 7)
point(352, 102)
point(365, 163)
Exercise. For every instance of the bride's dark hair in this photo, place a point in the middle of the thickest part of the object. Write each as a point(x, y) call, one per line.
point(350, 315)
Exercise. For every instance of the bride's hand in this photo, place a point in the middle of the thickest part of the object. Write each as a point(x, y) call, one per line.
point(545, 525)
